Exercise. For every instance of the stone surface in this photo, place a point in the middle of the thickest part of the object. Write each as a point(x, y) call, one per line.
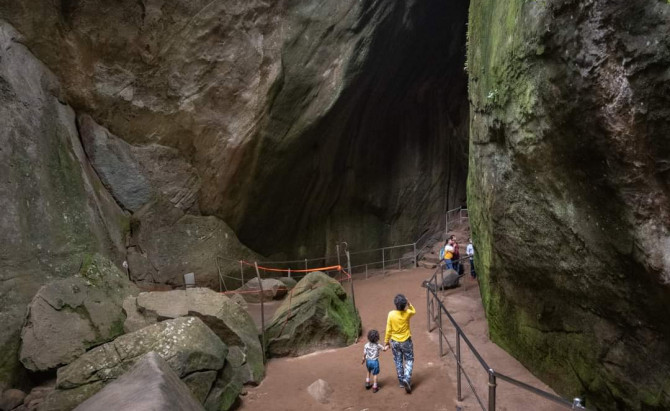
point(55, 211)
point(149, 385)
point(238, 299)
point(320, 390)
point(318, 315)
point(357, 108)
point(230, 322)
point(69, 316)
point(568, 192)
point(10, 399)
point(449, 279)
point(135, 175)
point(273, 289)
point(166, 243)
point(289, 283)
point(186, 344)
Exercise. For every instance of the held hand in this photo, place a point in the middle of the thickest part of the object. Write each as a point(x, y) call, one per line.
point(363, 361)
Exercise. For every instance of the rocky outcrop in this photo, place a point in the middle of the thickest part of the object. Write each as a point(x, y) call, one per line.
point(568, 191)
point(335, 117)
point(149, 385)
point(167, 243)
point(317, 315)
point(186, 344)
point(230, 322)
point(69, 316)
point(55, 212)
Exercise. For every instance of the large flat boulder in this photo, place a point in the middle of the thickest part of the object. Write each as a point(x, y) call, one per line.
point(149, 385)
point(273, 289)
point(69, 316)
point(227, 319)
point(186, 344)
point(317, 315)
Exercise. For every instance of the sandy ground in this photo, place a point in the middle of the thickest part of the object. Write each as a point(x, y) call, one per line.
point(434, 378)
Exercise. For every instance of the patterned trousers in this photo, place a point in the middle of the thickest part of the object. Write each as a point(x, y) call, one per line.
point(403, 351)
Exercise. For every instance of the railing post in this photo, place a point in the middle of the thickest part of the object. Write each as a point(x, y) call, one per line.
point(383, 262)
point(337, 247)
point(305, 264)
point(289, 272)
point(458, 364)
point(428, 305)
point(492, 390)
point(399, 266)
point(439, 324)
point(351, 280)
point(416, 258)
point(260, 286)
point(242, 272)
point(366, 271)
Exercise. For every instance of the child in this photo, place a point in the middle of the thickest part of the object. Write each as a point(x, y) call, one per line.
point(371, 359)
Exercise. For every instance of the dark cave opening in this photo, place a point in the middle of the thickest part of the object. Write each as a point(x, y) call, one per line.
point(389, 158)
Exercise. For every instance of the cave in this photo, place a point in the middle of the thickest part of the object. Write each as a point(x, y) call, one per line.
point(385, 163)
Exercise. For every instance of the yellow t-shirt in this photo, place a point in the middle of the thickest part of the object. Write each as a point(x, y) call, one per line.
point(397, 325)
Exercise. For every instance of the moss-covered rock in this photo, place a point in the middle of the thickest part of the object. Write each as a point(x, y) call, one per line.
point(317, 314)
point(69, 316)
point(567, 191)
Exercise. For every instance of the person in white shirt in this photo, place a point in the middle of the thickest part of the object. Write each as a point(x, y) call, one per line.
point(470, 250)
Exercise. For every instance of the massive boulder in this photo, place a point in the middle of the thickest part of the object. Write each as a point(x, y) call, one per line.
point(188, 346)
point(149, 385)
point(316, 315)
point(69, 316)
point(55, 212)
point(229, 321)
point(568, 191)
point(334, 116)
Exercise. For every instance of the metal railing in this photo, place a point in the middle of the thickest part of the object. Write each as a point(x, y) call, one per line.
point(453, 216)
point(433, 303)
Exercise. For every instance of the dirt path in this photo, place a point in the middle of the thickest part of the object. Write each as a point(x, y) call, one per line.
point(285, 386)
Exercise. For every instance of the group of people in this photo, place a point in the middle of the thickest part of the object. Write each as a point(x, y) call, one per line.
point(451, 256)
point(399, 339)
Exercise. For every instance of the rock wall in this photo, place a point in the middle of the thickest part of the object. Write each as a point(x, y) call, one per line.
point(55, 211)
point(569, 191)
point(306, 123)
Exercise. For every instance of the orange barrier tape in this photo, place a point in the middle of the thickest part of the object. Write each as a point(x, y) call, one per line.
point(286, 270)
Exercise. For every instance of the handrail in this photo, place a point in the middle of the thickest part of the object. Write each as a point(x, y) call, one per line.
point(576, 404)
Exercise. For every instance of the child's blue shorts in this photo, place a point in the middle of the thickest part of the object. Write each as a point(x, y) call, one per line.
point(373, 366)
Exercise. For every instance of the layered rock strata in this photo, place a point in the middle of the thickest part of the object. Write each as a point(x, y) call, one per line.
point(569, 191)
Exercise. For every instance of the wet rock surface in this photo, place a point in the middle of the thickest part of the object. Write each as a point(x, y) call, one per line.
point(568, 192)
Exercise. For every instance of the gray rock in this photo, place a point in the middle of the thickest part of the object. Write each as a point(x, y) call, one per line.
point(229, 321)
point(238, 299)
point(10, 399)
point(69, 316)
point(320, 390)
point(186, 344)
point(136, 174)
point(273, 289)
point(55, 211)
point(318, 315)
point(149, 385)
point(289, 282)
point(450, 279)
point(167, 243)
point(225, 392)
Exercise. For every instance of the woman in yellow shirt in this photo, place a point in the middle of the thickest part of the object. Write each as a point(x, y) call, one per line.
point(400, 338)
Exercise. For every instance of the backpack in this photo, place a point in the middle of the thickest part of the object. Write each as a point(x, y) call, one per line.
point(441, 253)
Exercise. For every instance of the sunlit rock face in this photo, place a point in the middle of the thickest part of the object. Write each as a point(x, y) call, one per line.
point(306, 122)
point(569, 191)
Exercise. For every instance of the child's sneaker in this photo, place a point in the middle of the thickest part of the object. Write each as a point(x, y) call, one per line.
point(368, 385)
point(375, 389)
